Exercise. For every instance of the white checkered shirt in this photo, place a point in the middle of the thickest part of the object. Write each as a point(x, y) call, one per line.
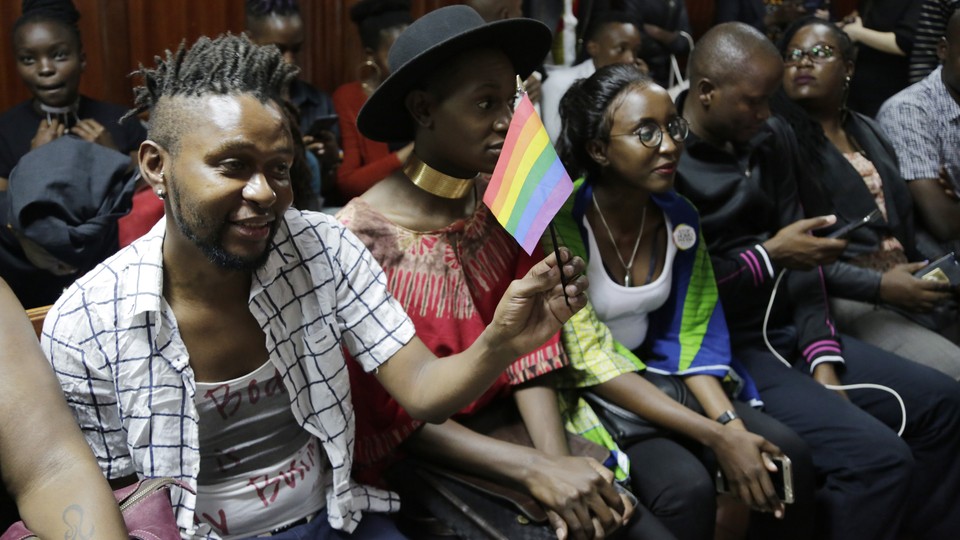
point(114, 344)
point(923, 124)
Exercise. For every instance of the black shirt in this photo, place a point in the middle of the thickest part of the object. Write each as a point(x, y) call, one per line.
point(19, 124)
point(878, 75)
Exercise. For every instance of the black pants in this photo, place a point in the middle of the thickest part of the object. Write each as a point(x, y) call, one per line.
point(872, 484)
point(674, 478)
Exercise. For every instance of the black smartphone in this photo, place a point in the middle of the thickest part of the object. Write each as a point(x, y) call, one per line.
point(944, 270)
point(324, 123)
point(854, 225)
point(782, 479)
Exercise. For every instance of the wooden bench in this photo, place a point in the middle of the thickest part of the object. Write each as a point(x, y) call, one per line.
point(36, 316)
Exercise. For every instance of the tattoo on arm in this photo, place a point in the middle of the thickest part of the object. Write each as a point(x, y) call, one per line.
point(74, 517)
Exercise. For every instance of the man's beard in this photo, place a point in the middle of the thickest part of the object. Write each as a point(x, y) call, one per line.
point(210, 244)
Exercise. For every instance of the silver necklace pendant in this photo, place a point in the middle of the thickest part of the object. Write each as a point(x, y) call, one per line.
point(627, 268)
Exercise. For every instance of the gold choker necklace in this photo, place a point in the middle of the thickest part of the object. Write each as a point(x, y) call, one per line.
point(433, 181)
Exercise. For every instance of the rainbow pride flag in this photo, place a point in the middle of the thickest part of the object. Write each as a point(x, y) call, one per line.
point(529, 184)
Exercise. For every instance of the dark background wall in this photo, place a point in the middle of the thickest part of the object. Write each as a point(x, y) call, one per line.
point(120, 34)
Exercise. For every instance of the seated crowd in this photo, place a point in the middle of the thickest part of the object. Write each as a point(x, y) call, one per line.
point(300, 307)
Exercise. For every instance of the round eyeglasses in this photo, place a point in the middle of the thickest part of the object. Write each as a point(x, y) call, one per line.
point(651, 134)
point(819, 53)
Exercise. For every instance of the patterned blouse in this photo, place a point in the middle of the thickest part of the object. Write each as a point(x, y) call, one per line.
point(449, 282)
point(874, 183)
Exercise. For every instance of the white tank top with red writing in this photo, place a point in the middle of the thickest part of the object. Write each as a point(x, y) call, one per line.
point(259, 469)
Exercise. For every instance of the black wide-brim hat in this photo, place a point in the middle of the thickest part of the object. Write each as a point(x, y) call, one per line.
point(434, 39)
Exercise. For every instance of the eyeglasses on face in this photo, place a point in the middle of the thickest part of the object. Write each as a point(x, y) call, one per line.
point(651, 134)
point(819, 53)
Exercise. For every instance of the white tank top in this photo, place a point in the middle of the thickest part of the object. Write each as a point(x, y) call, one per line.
point(625, 309)
point(259, 469)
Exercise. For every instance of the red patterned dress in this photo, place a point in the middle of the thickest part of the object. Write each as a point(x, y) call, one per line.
point(449, 281)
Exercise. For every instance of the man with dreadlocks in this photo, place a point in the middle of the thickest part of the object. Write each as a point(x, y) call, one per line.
point(211, 349)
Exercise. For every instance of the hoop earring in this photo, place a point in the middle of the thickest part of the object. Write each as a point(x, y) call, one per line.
point(369, 74)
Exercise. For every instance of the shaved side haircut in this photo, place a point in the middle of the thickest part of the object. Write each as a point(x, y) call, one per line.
point(227, 65)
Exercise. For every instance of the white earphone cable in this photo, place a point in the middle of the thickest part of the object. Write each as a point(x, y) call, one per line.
point(858, 386)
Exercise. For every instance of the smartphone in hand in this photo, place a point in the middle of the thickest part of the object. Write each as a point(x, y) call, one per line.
point(782, 479)
point(943, 270)
point(844, 231)
point(324, 123)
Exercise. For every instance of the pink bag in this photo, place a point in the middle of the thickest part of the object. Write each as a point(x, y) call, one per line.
point(145, 507)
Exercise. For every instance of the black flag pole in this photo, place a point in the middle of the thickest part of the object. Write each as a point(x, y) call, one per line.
point(556, 252)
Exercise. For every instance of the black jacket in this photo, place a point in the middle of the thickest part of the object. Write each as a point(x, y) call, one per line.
point(744, 199)
point(840, 190)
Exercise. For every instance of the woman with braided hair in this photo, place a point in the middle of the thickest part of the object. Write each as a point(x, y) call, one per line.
point(655, 323)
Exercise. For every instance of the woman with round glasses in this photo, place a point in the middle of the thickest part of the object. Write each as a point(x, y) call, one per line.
point(848, 168)
point(654, 297)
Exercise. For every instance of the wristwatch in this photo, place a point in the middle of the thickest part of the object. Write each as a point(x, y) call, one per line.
point(727, 417)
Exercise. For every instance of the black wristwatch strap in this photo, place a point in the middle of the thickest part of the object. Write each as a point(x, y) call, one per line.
point(727, 417)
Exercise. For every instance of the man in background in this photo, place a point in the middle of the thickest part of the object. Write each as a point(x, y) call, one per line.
point(923, 124)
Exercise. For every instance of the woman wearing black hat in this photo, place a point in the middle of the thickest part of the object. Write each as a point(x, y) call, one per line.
point(447, 260)
point(50, 60)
